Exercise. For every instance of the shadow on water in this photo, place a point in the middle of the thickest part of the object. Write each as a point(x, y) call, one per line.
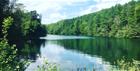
point(29, 49)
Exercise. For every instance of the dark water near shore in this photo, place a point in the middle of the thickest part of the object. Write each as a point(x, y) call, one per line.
point(73, 52)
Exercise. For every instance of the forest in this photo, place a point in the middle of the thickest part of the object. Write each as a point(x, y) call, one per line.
point(120, 21)
point(16, 25)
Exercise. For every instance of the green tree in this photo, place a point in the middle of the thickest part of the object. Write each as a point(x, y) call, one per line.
point(8, 59)
point(121, 21)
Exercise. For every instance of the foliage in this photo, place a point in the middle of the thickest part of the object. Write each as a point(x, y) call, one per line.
point(25, 24)
point(124, 65)
point(47, 67)
point(8, 59)
point(122, 21)
point(3, 7)
point(26, 27)
point(18, 27)
point(6, 25)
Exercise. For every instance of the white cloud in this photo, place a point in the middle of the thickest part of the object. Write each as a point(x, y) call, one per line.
point(90, 9)
point(54, 17)
point(53, 10)
point(102, 4)
point(50, 9)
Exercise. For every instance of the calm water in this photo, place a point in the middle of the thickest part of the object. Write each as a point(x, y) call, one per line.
point(77, 52)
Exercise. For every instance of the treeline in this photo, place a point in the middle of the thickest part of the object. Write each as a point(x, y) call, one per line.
point(121, 21)
point(25, 25)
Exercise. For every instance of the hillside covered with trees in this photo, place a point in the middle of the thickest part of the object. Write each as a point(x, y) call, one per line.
point(121, 21)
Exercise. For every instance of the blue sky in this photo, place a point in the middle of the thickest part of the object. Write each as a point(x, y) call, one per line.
point(55, 10)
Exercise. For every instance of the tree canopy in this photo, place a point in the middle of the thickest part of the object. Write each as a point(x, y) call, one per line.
point(122, 21)
point(24, 25)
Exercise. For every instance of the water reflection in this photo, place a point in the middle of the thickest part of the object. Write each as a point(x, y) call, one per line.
point(30, 49)
point(81, 52)
point(69, 60)
point(108, 48)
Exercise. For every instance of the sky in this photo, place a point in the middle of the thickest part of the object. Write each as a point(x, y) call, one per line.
point(56, 10)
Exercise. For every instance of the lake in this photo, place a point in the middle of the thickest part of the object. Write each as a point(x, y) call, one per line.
point(72, 53)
